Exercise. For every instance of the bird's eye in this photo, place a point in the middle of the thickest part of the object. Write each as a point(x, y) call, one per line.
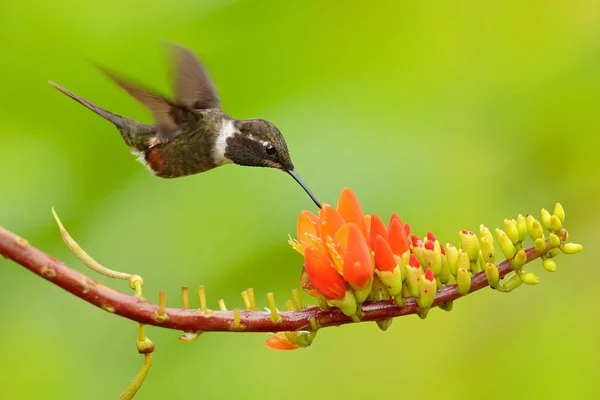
point(270, 149)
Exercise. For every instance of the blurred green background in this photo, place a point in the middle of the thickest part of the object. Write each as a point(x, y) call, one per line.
point(451, 115)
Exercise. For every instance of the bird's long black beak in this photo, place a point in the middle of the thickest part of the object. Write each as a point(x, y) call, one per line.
point(306, 189)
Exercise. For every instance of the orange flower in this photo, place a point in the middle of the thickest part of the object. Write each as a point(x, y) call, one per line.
point(341, 247)
point(280, 342)
point(384, 256)
point(358, 267)
point(323, 275)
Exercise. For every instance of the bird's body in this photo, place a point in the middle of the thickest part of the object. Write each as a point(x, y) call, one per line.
point(192, 134)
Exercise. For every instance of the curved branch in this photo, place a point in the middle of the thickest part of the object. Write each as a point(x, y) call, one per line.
point(133, 308)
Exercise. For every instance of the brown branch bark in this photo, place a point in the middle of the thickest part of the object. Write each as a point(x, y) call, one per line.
point(133, 308)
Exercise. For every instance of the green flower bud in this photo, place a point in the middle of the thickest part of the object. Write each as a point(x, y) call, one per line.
point(413, 273)
point(492, 274)
point(520, 259)
point(510, 228)
point(546, 219)
point(463, 260)
point(432, 257)
point(506, 245)
point(521, 227)
point(445, 272)
point(347, 303)
point(554, 240)
point(301, 338)
point(447, 306)
point(379, 291)
point(484, 232)
point(463, 280)
point(384, 324)
point(469, 243)
point(487, 248)
point(549, 264)
point(529, 278)
point(392, 280)
point(452, 257)
point(511, 282)
point(554, 252)
point(427, 289)
point(559, 211)
point(540, 245)
point(571, 248)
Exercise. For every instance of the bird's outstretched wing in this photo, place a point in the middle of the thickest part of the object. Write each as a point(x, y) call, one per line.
point(192, 86)
point(167, 115)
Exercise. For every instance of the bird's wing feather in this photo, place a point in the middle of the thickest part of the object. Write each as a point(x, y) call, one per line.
point(165, 113)
point(191, 84)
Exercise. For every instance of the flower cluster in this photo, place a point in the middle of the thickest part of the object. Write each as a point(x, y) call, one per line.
point(350, 257)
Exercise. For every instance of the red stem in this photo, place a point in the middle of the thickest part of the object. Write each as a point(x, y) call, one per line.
point(131, 307)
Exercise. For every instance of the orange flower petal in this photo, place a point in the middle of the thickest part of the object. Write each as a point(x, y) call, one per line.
point(358, 267)
point(368, 223)
point(340, 240)
point(349, 208)
point(323, 275)
point(278, 343)
point(397, 237)
point(329, 221)
point(384, 256)
point(307, 223)
point(377, 229)
point(407, 229)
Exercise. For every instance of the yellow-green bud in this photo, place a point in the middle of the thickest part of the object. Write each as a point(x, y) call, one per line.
point(506, 245)
point(536, 230)
point(427, 289)
point(529, 278)
point(555, 223)
point(379, 291)
point(549, 264)
point(511, 282)
point(445, 273)
point(432, 258)
point(521, 227)
point(301, 338)
point(384, 324)
point(546, 217)
point(452, 257)
point(447, 306)
point(463, 260)
point(510, 228)
point(520, 259)
point(412, 279)
point(554, 240)
point(484, 232)
point(469, 243)
point(554, 252)
point(347, 304)
point(571, 248)
point(540, 245)
point(559, 211)
point(392, 280)
point(463, 280)
point(492, 274)
point(529, 223)
point(487, 248)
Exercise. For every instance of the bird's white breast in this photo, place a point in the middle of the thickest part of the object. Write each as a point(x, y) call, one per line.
point(227, 130)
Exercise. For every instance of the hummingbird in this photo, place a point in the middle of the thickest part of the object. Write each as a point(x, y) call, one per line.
point(192, 134)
